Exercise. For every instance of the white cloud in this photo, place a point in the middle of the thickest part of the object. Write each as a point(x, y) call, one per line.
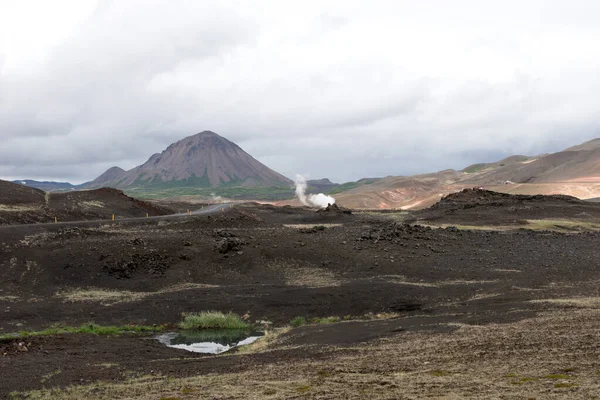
point(356, 88)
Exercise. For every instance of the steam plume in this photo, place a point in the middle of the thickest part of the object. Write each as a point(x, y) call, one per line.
point(313, 200)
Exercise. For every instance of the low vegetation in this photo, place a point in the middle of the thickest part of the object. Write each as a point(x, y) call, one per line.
point(301, 321)
point(350, 185)
point(298, 321)
point(90, 328)
point(239, 193)
point(212, 320)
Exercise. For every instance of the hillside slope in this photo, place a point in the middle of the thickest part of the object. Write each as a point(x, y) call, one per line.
point(20, 204)
point(574, 171)
point(110, 175)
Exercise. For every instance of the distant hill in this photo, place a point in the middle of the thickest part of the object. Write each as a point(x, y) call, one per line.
point(47, 186)
point(320, 185)
point(110, 175)
point(574, 171)
point(203, 161)
point(20, 204)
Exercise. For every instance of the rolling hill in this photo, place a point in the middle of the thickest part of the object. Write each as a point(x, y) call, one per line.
point(47, 186)
point(20, 204)
point(574, 171)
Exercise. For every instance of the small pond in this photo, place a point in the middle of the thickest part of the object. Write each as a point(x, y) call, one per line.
point(209, 341)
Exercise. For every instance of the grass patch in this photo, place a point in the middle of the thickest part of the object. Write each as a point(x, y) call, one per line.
point(527, 379)
point(561, 225)
point(350, 185)
point(440, 373)
point(555, 225)
point(108, 297)
point(325, 320)
point(298, 321)
point(237, 193)
point(565, 385)
point(90, 328)
point(557, 376)
point(303, 389)
point(212, 320)
point(49, 376)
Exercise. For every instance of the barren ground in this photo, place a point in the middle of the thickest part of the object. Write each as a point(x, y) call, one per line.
point(451, 313)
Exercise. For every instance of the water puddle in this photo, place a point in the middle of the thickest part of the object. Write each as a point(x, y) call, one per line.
point(209, 341)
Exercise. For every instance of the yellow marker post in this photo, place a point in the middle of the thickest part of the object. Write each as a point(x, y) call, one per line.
point(146, 215)
point(113, 217)
point(55, 220)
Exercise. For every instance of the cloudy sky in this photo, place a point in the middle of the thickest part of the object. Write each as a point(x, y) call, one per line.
point(340, 89)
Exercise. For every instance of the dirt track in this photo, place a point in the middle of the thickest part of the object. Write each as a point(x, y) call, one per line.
point(437, 281)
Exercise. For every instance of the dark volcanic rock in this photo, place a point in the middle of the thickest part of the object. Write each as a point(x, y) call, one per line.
point(334, 208)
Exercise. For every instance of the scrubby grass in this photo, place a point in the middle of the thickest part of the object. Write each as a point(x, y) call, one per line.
point(212, 320)
point(554, 225)
point(565, 385)
point(109, 297)
point(439, 373)
point(325, 320)
point(237, 193)
point(561, 225)
point(90, 328)
point(298, 321)
point(557, 376)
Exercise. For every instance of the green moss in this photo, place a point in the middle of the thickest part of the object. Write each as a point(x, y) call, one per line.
point(212, 320)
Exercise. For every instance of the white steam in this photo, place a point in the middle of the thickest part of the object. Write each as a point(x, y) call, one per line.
point(312, 200)
point(216, 199)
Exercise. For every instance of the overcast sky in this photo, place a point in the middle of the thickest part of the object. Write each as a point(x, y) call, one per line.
point(340, 89)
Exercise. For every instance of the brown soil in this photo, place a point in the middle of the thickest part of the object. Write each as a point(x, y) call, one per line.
point(23, 205)
point(484, 207)
point(465, 303)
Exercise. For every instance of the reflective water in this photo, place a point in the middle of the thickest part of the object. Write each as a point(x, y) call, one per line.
point(209, 341)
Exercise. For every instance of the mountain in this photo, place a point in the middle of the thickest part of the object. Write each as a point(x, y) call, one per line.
point(321, 185)
point(204, 160)
point(110, 175)
point(47, 186)
point(574, 171)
